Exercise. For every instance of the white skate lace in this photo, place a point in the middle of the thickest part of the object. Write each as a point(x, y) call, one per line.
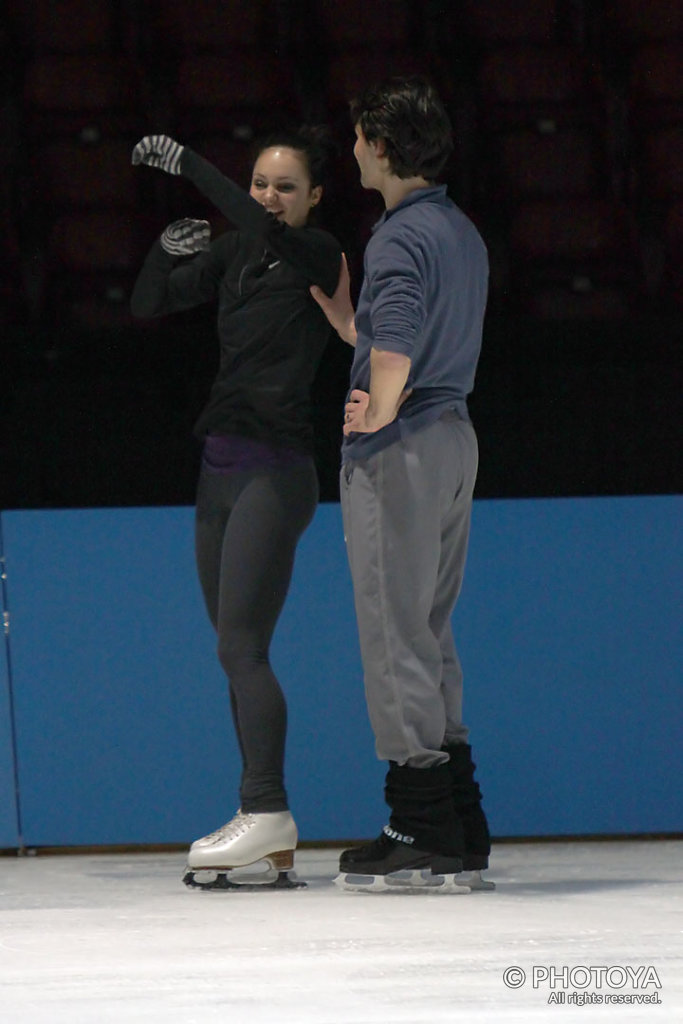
point(237, 826)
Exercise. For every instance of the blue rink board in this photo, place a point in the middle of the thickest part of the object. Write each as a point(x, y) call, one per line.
point(9, 830)
point(568, 628)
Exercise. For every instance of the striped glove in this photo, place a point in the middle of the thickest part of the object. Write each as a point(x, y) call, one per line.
point(158, 151)
point(186, 236)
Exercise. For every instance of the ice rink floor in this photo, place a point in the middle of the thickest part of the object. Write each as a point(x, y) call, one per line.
point(90, 938)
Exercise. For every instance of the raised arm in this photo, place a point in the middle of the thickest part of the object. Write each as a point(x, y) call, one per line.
point(314, 253)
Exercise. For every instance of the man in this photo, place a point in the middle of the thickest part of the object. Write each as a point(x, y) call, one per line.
point(409, 463)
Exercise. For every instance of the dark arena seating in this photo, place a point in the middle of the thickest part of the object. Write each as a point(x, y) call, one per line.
point(568, 121)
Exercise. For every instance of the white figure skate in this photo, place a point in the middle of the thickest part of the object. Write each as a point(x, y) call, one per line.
point(218, 834)
point(220, 859)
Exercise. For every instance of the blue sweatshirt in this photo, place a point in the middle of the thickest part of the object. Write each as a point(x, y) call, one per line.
point(424, 296)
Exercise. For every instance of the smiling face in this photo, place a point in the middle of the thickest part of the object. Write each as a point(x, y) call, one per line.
point(280, 181)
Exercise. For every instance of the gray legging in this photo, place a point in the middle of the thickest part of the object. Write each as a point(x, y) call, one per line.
point(247, 527)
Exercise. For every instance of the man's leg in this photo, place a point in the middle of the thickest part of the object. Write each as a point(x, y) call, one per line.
point(406, 520)
point(454, 539)
point(466, 794)
point(394, 505)
point(390, 506)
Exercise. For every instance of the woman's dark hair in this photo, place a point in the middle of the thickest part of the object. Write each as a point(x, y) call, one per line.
point(314, 142)
point(408, 116)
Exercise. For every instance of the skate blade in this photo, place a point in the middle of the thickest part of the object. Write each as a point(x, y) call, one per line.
point(476, 883)
point(417, 882)
point(241, 881)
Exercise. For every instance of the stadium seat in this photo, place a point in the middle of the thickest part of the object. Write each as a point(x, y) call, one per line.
point(538, 88)
point(656, 86)
point(573, 254)
point(636, 21)
point(62, 26)
point(526, 164)
point(191, 26)
point(83, 95)
point(238, 95)
point(69, 173)
point(359, 24)
point(499, 22)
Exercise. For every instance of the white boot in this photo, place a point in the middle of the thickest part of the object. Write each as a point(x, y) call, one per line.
point(218, 834)
point(248, 838)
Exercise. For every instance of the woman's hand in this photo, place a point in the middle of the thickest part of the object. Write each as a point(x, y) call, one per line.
point(186, 236)
point(158, 151)
point(339, 309)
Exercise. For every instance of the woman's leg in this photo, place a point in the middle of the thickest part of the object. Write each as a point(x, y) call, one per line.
point(216, 494)
point(245, 582)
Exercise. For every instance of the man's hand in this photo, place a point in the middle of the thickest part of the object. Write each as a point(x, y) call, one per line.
point(158, 151)
point(339, 309)
point(354, 413)
point(186, 236)
point(367, 412)
point(357, 416)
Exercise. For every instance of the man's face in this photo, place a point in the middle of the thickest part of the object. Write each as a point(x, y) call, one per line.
point(367, 159)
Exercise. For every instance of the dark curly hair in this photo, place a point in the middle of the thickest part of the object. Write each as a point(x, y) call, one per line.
point(314, 142)
point(409, 117)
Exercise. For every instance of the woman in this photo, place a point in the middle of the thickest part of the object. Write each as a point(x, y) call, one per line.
point(258, 486)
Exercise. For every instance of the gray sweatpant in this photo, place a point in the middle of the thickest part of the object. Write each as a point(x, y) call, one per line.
point(406, 513)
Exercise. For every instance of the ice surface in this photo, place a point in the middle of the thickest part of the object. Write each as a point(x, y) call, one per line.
point(95, 938)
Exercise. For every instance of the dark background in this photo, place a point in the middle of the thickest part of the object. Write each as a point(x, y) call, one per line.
point(568, 117)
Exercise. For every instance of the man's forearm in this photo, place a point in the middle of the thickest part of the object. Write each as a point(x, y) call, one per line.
point(388, 377)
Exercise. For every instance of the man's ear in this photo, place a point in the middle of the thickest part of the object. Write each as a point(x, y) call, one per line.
point(380, 147)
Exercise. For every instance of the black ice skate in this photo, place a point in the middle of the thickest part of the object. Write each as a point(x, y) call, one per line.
point(468, 807)
point(421, 848)
point(390, 865)
point(229, 858)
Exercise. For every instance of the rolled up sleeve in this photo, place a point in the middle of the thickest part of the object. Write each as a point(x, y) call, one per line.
point(397, 299)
